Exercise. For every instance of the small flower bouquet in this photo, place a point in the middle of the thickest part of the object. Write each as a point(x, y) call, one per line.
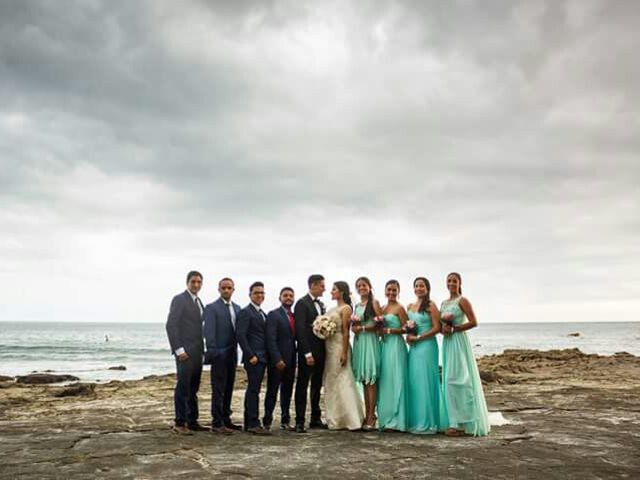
point(410, 328)
point(324, 326)
point(447, 320)
point(355, 320)
point(379, 323)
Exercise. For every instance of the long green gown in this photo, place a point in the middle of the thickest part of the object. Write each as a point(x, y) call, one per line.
point(366, 352)
point(461, 385)
point(392, 385)
point(426, 409)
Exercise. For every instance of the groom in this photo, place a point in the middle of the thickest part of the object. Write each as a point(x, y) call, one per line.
point(311, 354)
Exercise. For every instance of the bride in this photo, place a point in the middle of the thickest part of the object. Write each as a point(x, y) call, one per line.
point(343, 404)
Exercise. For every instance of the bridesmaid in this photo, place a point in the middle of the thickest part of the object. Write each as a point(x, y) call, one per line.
point(392, 385)
point(366, 349)
point(462, 388)
point(426, 409)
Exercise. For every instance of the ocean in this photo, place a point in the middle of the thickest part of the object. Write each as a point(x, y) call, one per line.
point(87, 350)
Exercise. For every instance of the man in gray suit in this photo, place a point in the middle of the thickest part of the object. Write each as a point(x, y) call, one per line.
point(184, 329)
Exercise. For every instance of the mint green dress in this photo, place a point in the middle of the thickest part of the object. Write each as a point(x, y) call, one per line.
point(461, 386)
point(426, 408)
point(365, 361)
point(392, 385)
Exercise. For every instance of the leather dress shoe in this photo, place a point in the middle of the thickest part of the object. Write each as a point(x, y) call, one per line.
point(223, 430)
point(300, 428)
point(287, 427)
point(196, 427)
point(258, 431)
point(181, 430)
point(318, 424)
point(233, 426)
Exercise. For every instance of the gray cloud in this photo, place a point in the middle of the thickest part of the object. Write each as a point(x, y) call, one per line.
point(382, 137)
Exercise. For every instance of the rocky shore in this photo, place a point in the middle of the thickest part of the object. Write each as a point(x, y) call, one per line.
point(570, 415)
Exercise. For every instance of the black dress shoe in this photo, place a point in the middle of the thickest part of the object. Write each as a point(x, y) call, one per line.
point(233, 426)
point(196, 427)
point(266, 426)
point(300, 428)
point(319, 424)
point(287, 427)
point(258, 431)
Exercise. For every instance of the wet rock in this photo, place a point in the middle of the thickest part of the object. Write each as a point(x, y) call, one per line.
point(119, 367)
point(79, 389)
point(45, 378)
point(4, 378)
point(490, 377)
point(574, 334)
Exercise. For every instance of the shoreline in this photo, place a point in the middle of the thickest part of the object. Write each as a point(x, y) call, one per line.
point(569, 414)
point(7, 377)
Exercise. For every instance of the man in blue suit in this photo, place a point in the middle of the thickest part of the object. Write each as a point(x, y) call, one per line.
point(281, 372)
point(222, 354)
point(184, 329)
point(253, 341)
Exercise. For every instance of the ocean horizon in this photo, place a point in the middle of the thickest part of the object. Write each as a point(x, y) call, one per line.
point(89, 349)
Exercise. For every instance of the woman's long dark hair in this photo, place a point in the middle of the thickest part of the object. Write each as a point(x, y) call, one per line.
point(343, 288)
point(369, 311)
point(457, 275)
point(424, 304)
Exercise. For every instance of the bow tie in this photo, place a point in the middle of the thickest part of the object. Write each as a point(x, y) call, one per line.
point(316, 300)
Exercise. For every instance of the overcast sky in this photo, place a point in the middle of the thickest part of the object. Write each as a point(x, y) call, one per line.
point(271, 140)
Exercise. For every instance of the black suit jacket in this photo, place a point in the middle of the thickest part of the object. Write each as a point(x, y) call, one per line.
point(281, 342)
point(305, 313)
point(251, 334)
point(184, 325)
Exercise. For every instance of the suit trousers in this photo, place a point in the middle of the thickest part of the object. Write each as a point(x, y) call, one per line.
point(306, 375)
point(185, 396)
point(282, 380)
point(255, 374)
point(223, 376)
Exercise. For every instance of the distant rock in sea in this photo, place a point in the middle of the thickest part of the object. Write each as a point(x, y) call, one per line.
point(119, 367)
point(574, 334)
point(45, 378)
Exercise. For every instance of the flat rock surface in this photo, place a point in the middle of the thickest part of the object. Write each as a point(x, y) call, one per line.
point(570, 415)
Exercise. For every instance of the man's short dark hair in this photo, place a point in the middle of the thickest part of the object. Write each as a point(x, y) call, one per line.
point(193, 273)
point(315, 278)
point(286, 289)
point(254, 285)
point(225, 279)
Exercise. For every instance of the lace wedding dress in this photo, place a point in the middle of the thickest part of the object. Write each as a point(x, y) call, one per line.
point(343, 403)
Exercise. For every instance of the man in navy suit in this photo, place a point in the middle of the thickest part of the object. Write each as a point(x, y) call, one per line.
point(222, 354)
point(184, 329)
point(253, 341)
point(281, 372)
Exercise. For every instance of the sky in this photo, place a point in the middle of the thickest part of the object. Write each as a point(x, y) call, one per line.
point(271, 140)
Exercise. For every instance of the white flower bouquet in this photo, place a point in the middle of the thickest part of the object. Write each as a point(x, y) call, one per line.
point(324, 326)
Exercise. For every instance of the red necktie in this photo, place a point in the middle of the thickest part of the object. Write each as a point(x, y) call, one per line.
point(293, 328)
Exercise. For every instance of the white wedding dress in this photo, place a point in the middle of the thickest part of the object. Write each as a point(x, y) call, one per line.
point(343, 403)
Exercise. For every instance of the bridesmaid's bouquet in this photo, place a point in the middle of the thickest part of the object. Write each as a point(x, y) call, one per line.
point(355, 320)
point(410, 328)
point(324, 326)
point(447, 320)
point(379, 322)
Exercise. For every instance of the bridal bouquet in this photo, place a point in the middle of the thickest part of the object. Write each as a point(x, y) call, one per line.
point(324, 326)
